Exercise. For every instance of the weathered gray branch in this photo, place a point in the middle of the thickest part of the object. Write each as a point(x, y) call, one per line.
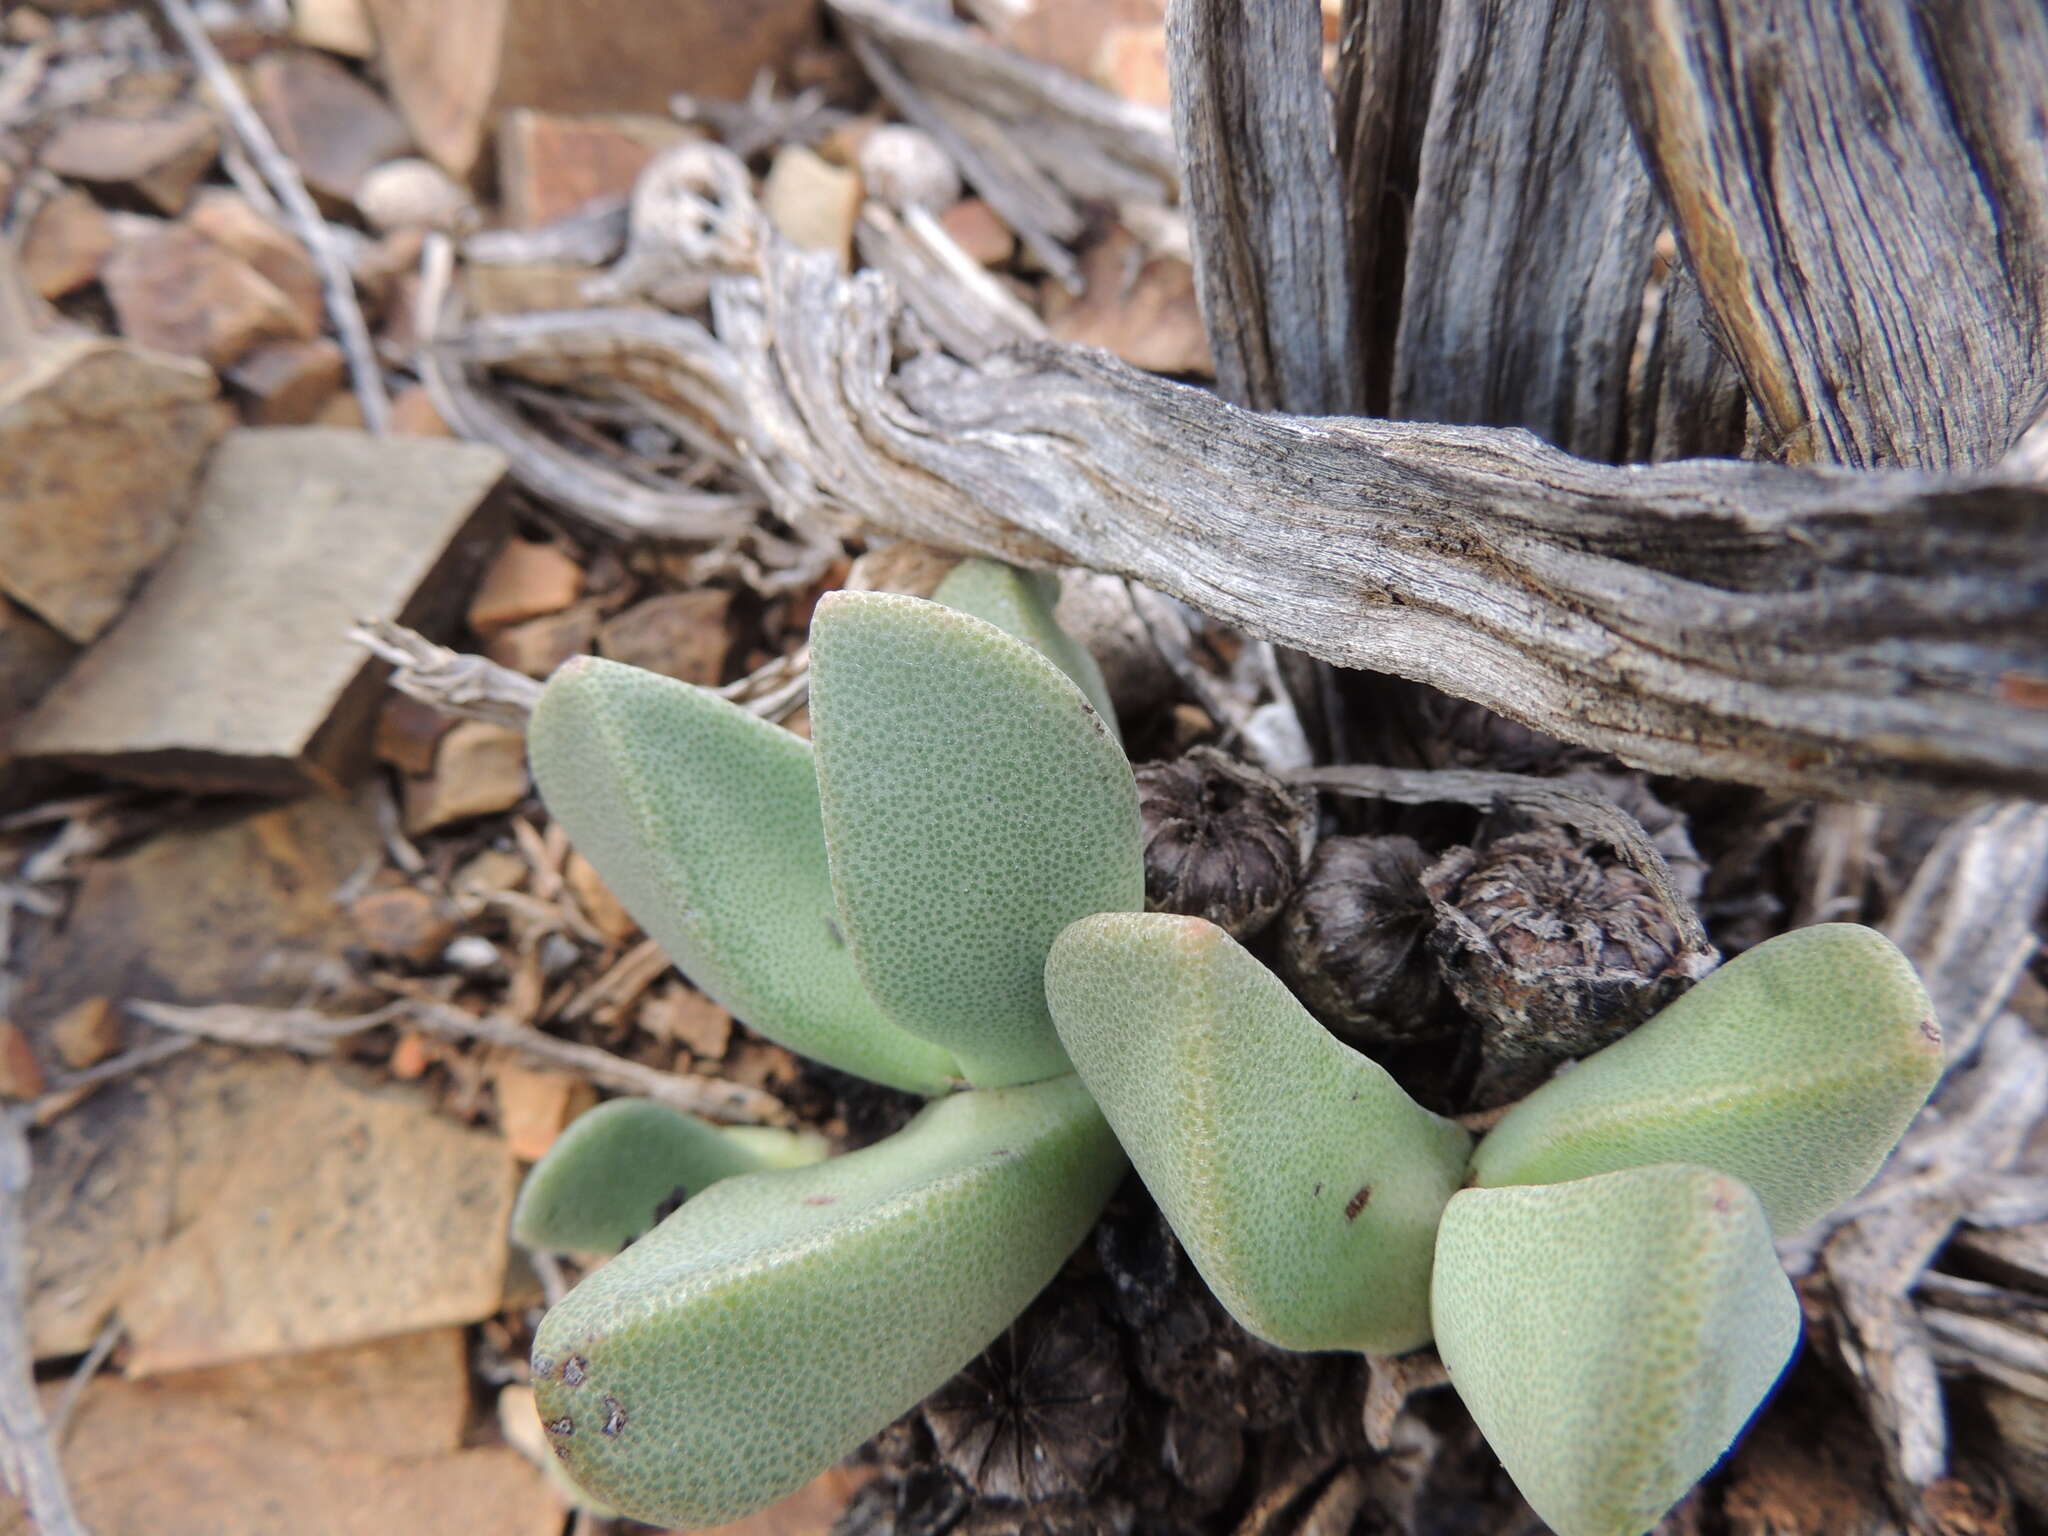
point(1265, 203)
point(1862, 192)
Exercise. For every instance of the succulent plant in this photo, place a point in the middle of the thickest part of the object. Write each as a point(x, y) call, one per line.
point(945, 894)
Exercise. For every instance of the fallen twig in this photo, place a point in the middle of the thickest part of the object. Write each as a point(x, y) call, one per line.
point(452, 681)
point(277, 168)
point(28, 1456)
point(304, 1030)
point(67, 1404)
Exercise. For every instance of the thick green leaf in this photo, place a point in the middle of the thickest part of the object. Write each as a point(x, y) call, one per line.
point(1796, 1067)
point(975, 804)
point(1304, 1183)
point(1020, 603)
point(1611, 1335)
point(606, 1177)
point(776, 1321)
point(704, 821)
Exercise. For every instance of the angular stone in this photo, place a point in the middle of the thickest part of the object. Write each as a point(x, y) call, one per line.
point(524, 581)
point(540, 645)
point(551, 164)
point(813, 202)
point(86, 1034)
point(350, 1214)
point(67, 243)
point(534, 1104)
point(412, 194)
point(21, 1075)
point(227, 218)
point(978, 231)
point(521, 289)
point(178, 291)
point(337, 26)
point(1145, 313)
point(1131, 62)
point(679, 634)
point(1069, 33)
point(683, 1016)
point(159, 159)
point(288, 381)
point(72, 544)
point(32, 657)
point(479, 770)
point(604, 910)
point(409, 733)
point(403, 921)
point(234, 669)
point(452, 66)
point(413, 413)
point(335, 127)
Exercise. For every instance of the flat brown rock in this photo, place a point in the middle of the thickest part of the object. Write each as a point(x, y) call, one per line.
point(679, 634)
point(524, 580)
point(158, 158)
point(812, 201)
point(234, 670)
point(350, 1442)
point(227, 218)
point(552, 163)
point(178, 291)
point(286, 382)
point(32, 657)
point(479, 770)
point(1143, 311)
point(99, 441)
point(333, 124)
point(350, 1214)
point(68, 241)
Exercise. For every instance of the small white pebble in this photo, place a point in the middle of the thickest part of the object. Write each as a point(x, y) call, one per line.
point(906, 168)
point(411, 194)
point(471, 954)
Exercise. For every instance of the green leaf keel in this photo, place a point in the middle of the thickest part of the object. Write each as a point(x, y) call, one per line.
point(607, 1176)
point(1020, 603)
point(1795, 1067)
point(772, 1324)
point(704, 821)
point(1305, 1185)
point(974, 805)
point(1611, 1335)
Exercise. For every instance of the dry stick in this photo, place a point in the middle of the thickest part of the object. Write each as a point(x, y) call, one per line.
point(1593, 814)
point(28, 1457)
point(454, 683)
point(732, 1103)
point(284, 179)
point(67, 1403)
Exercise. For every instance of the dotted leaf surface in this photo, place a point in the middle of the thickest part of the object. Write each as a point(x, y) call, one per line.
point(1795, 1067)
point(772, 1324)
point(1304, 1183)
point(1612, 1335)
point(974, 805)
point(1020, 603)
point(704, 821)
point(616, 1165)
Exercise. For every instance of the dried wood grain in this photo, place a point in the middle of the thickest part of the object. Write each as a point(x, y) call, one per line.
point(1266, 203)
point(1863, 193)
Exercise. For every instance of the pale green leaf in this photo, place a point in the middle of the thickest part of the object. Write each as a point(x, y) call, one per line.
point(776, 1321)
point(1304, 1183)
point(1020, 603)
point(703, 819)
point(974, 804)
point(1795, 1067)
point(1611, 1335)
point(602, 1182)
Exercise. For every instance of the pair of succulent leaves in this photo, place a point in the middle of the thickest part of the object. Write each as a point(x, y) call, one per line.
point(945, 894)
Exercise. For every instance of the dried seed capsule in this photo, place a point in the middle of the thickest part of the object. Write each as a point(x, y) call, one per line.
point(1223, 841)
point(1553, 950)
point(1352, 940)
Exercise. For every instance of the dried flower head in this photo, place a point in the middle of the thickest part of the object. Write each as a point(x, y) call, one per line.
point(1041, 1410)
point(1223, 841)
point(1554, 950)
point(1352, 941)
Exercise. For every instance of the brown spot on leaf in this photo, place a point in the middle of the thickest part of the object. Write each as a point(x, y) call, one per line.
point(562, 1426)
point(1357, 1202)
point(614, 1417)
point(543, 1366)
point(1931, 1029)
point(574, 1370)
point(820, 1199)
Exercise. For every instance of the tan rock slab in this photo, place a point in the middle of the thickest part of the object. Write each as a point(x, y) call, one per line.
point(681, 1015)
point(333, 124)
point(679, 634)
point(1069, 33)
point(1131, 61)
point(32, 657)
point(337, 26)
point(351, 1214)
point(87, 1034)
point(538, 646)
point(535, 1104)
point(409, 733)
point(364, 1441)
point(73, 543)
point(813, 202)
point(177, 291)
point(403, 921)
point(454, 65)
point(977, 230)
point(519, 289)
point(524, 580)
point(21, 1075)
point(606, 913)
point(552, 163)
point(1142, 310)
point(67, 243)
point(160, 159)
point(234, 670)
point(227, 218)
point(479, 770)
point(413, 413)
point(287, 382)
